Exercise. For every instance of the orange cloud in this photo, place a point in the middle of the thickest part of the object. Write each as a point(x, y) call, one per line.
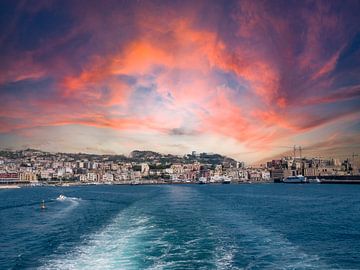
point(341, 94)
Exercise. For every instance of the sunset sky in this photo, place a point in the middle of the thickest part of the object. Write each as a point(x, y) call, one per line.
point(247, 79)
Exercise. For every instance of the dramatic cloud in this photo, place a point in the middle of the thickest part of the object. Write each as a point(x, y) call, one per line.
point(253, 74)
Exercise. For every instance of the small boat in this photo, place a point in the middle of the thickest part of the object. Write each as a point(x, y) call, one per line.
point(299, 179)
point(42, 205)
point(315, 181)
point(135, 183)
point(226, 180)
point(61, 197)
point(202, 180)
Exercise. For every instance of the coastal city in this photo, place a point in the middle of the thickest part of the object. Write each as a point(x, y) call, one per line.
point(34, 167)
point(174, 135)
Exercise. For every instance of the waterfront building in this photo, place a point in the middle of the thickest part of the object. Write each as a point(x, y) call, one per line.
point(28, 176)
point(92, 177)
point(107, 177)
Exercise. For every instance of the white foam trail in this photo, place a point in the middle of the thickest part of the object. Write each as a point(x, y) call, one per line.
point(70, 203)
point(271, 250)
point(68, 199)
point(137, 239)
point(117, 246)
point(224, 256)
point(268, 249)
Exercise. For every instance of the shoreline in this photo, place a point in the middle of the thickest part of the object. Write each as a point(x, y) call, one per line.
point(127, 184)
point(9, 186)
point(71, 184)
point(164, 183)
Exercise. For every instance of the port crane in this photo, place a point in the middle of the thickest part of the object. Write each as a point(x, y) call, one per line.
point(300, 149)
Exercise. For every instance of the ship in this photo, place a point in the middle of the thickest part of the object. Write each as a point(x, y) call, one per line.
point(299, 179)
point(314, 180)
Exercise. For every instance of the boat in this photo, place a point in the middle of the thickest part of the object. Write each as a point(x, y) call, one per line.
point(212, 180)
point(226, 180)
point(299, 179)
point(42, 205)
point(202, 180)
point(61, 197)
point(135, 183)
point(315, 181)
point(215, 179)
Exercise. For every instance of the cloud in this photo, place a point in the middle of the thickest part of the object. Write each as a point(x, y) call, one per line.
point(254, 72)
point(344, 93)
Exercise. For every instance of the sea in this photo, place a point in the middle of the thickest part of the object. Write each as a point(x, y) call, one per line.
point(247, 226)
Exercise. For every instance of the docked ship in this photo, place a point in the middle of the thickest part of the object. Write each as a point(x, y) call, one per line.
point(226, 180)
point(314, 181)
point(299, 179)
point(202, 180)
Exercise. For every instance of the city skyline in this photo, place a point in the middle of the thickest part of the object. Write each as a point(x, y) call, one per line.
point(33, 167)
point(245, 79)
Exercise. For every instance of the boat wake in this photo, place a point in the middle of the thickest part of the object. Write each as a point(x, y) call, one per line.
point(64, 198)
point(65, 207)
point(138, 238)
point(117, 246)
point(174, 233)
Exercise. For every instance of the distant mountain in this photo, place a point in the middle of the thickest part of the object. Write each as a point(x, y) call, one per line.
point(207, 158)
point(136, 156)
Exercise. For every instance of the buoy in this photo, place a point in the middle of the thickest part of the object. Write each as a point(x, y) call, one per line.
point(42, 206)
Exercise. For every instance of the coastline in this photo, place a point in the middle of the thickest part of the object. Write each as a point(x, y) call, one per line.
point(126, 184)
point(157, 182)
point(9, 186)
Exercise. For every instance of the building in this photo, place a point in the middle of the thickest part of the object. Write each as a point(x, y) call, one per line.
point(11, 179)
point(145, 168)
point(28, 176)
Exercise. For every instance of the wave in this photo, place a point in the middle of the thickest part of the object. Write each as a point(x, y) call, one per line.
point(175, 232)
point(268, 249)
point(260, 246)
point(143, 237)
point(116, 245)
point(37, 203)
point(64, 198)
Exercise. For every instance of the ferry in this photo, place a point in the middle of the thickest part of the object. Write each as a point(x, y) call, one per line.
point(299, 179)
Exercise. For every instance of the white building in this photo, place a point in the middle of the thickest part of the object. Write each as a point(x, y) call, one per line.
point(265, 175)
point(92, 177)
point(107, 177)
point(145, 169)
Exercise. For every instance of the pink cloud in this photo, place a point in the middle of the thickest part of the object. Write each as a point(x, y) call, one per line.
point(256, 84)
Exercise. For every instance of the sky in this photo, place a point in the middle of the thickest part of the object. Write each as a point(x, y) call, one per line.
point(246, 79)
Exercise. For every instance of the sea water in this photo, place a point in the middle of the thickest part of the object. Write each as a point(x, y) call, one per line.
point(256, 226)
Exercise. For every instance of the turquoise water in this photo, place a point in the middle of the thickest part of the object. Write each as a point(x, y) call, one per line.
point(268, 226)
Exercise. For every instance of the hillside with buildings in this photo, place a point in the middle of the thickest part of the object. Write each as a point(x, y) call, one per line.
point(147, 167)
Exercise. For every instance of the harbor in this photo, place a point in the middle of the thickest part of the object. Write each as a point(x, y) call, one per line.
point(38, 168)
